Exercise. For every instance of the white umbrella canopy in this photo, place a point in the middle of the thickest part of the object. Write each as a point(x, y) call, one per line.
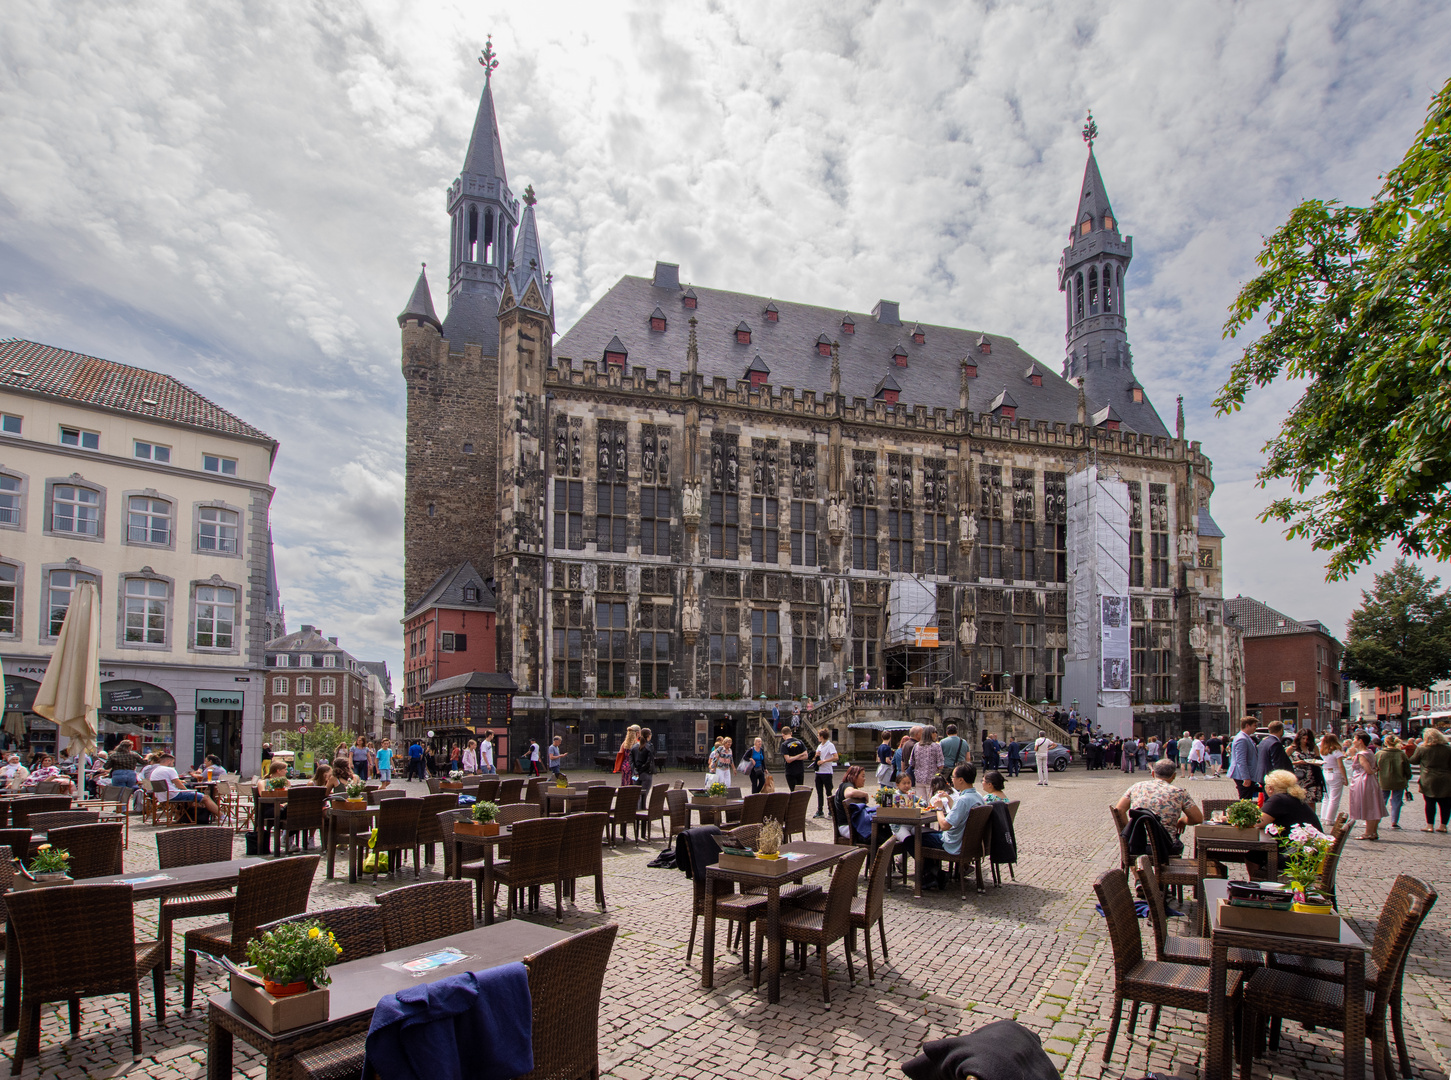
point(70, 693)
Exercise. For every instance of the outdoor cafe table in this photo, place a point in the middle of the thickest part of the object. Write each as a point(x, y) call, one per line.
point(145, 885)
point(488, 843)
point(562, 798)
point(927, 819)
point(818, 857)
point(710, 813)
point(357, 986)
point(1348, 950)
point(1215, 848)
point(356, 823)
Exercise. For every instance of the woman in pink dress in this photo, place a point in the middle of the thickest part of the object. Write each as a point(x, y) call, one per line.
point(1366, 802)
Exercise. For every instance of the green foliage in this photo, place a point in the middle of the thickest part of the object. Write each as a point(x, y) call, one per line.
point(320, 740)
point(884, 796)
point(295, 952)
point(1357, 303)
point(485, 812)
point(50, 860)
point(355, 789)
point(1243, 814)
point(717, 790)
point(1400, 636)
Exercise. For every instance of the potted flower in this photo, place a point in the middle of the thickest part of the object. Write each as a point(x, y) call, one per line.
point(454, 782)
point(51, 865)
point(1242, 815)
point(485, 820)
point(276, 788)
point(715, 794)
point(884, 796)
point(1302, 855)
point(357, 798)
point(292, 962)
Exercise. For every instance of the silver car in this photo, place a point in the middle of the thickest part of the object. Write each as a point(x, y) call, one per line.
point(1058, 759)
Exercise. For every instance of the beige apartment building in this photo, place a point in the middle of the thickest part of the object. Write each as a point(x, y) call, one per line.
point(129, 479)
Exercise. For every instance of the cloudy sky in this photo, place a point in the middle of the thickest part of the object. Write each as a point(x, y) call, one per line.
point(240, 194)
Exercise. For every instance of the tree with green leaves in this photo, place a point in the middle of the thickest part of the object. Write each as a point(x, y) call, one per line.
point(1400, 636)
point(1357, 307)
point(320, 740)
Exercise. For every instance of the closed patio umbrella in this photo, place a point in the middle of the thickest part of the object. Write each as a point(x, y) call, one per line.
point(70, 693)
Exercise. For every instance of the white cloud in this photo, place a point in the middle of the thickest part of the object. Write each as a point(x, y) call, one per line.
point(241, 196)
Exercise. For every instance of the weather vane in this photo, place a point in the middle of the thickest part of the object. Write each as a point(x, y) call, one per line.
point(529, 197)
point(488, 59)
point(1090, 130)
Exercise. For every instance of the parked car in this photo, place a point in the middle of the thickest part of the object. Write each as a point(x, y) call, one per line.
point(1059, 759)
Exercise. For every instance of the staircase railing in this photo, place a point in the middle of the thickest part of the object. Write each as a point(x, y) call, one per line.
point(1032, 714)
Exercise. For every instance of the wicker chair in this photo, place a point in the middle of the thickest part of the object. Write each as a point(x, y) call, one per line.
point(303, 815)
point(18, 840)
point(434, 783)
point(516, 812)
point(191, 847)
point(534, 784)
point(488, 790)
point(423, 912)
point(1180, 986)
point(358, 928)
point(428, 832)
point(534, 860)
point(510, 790)
point(378, 795)
point(265, 892)
point(80, 942)
point(1214, 806)
point(969, 852)
point(627, 802)
point(95, 849)
point(21, 809)
point(655, 811)
point(753, 809)
point(599, 799)
point(581, 854)
point(471, 869)
point(56, 819)
point(1177, 949)
point(1404, 892)
point(798, 806)
point(1339, 834)
point(777, 805)
point(565, 982)
point(1174, 873)
point(677, 805)
point(398, 831)
point(868, 909)
point(821, 928)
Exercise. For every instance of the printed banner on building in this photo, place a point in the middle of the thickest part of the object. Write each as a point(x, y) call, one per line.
point(1113, 624)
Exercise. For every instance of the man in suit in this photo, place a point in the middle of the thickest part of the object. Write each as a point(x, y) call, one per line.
point(1270, 754)
point(1244, 759)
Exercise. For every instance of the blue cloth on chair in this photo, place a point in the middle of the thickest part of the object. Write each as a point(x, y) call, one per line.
point(427, 1032)
point(862, 816)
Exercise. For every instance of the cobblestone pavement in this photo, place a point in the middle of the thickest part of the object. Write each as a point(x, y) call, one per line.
point(1033, 950)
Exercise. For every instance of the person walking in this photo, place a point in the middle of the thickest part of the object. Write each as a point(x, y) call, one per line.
point(1393, 773)
point(955, 750)
point(359, 755)
point(884, 760)
point(825, 768)
point(642, 757)
point(1332, 767)
point(415, 761)
point(1365, 797)
point(534, 767)
point(1433, 755)
point(757, 757)
point(1242, 757)
point(1041, 745)
point(794, 753)
point(1198, 756)
point(720, 763)
point(623, 760)
point(1015, 756)
point(556, 755)
point(470, 757)
point(1186, 743)
point(927, 761)
point(385, 762)
point(486, 753)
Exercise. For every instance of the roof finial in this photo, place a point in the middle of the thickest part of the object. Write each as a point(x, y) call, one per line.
point(529, 197)
point(1090, 130)
point(488, 59)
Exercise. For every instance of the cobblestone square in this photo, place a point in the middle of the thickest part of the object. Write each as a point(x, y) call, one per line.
point(1033, 950)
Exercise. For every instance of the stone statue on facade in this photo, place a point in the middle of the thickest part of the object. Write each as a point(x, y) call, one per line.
point(966, 634)
point(966, 531)
point(1198, 638)
point(690, 504)
point(1187, 544)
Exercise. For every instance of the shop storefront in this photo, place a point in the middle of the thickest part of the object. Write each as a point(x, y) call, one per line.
point(145, 713)
point(218, 728)
point(22, 728)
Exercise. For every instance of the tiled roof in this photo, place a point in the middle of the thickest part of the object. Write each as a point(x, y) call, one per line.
point(448, 591)
point(309, 639)
point(89, 380)
point(1207, 526)
point(1261, 620)
point(473, 680)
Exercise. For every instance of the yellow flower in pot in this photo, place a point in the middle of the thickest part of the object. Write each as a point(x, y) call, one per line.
point(294, 958)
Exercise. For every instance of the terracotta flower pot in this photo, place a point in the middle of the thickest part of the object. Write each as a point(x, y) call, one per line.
point(288, 990)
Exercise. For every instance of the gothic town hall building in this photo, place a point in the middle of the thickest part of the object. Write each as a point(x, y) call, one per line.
point(696, 503)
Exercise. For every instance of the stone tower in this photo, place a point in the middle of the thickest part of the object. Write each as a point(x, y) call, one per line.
point(1091, 276)
point(526, 336)
point(451, 368)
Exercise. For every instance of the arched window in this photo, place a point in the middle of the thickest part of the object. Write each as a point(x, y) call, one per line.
point(471, 235)
point(1078, 293)
point(1093, 291)
point(486, 248)
point(1108, 292)
point(279, 714)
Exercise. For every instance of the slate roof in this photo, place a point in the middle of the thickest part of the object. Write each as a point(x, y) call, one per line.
point(474, 680)
point(1207, 526)
point(789, 347)
point(528, 260)
point(1094, 200)
point(89, 380)
point(485, 155)
point(1261, 620)
point(448, 591)
point(309, 639)
point(380, 669)
point(420, 304)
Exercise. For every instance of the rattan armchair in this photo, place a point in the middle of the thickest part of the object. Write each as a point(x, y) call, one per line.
point(1179, 948)
point(469, 869)
point(1136, 980)
point(866, 910)
point(677, 806)
point(423, 912)
point(428, 832)
point(777, 804)
point(358, 928)
point(821, 928)
point(969, 852)
point(19, 842)
point(599, 799)
point(95, 849)
point(753, 809)
point(565, 984)
point(533, 786)
point(488, 790)
point(192, 846)
point(378, 795)
point(57, 819)
point(534, 860)
point(21, 809)
point(302, 815)
point(655, 811)
point(798, 807)
point(265, 892)
point(581, 853)
point(80, 942)
point(1214, 806)
point(622, 816)
point(510, 790)
point(398, 831)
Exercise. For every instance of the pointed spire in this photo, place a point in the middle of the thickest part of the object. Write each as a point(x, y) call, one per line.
point(420, 304)
point(1179, 419)
point(962, 386)
point(692, 354)
point(1093, 204)
point(526, 263)
point(485, 155)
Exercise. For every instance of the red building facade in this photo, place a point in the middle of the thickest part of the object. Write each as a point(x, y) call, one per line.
point(1291, 668)
point(449, 632)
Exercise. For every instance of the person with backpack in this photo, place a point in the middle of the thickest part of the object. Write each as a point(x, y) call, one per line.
point(955, 751)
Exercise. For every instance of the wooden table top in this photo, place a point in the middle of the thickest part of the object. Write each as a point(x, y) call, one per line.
point(817, 857)
point(179, 880)
point(1217, 889)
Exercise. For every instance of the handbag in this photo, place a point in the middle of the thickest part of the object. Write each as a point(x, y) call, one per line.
point(746, 765)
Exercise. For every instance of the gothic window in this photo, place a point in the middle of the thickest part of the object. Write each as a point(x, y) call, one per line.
point(1093, 290)
point(899, 481)
point(569, 514)
point(1108, 292)
point(655, 632)
point(1024, 531)
point(934, 544)
point(1055, 529)
point(568, 645)
point(1078, 296)
point(1055, 662)
point(725, 650)
point(1159, 534)
point(1025, 660)
point(899, 540)
point(1159, 648)
point(612, 635)
point(804, 629)
point(990, 646)
point(863, 538)
point(654, 455)
point(610, 517)
point(654, 521)
point(765, 534)
point(766, 652)
point(934, 484)
point(863, 646)
point(1139, 663)
point(724, 526)
point(803, 533)
point(1136, 535)
point(765, 467)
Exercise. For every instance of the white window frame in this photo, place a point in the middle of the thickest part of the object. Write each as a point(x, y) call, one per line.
point(149, 596)
point(279, 713)
point(304, 686)
point(280, 660)
point(154, 451)
point(199, 598)
point(151, 497)
point(22, 486)
point(303, 712)
point(279, 684)
point(304, 660)
point(329, 660)
point(216, 463)
point(325, 714)
point(82, 436)
point(77, 486)
point(218, 539)
point(327, 686)
point(79, 574)
point(17, 599)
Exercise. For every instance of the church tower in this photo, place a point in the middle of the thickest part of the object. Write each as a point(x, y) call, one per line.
point(1091, 276)
point(452, 370)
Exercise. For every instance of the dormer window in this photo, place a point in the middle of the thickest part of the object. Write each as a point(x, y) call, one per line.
point(1107, 418)
point(1085, 227)
point(918, 337)
point(969, 369)
point(471, 594)
point(1004, 407)
point(689, 299)
point(615, 352)
point(1108, 222)
point(773, 313)
point(847, 326)
point(657, 321)
point(899, 356)
point(888, 390)
point(1034, 375)
point(1136, 392)
point(758, 372)
point(823, 345)
point(743, 333)
point(984, 345)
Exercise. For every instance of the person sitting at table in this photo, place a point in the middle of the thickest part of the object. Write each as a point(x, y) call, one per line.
point(948, 834)
point(210, 772)
point(276, 770)
point(14, 772)
point(992, 787)
point(1171, 804)
point(45, 771)
point(906, 795)
point(941, 797)
point(1286, 802)
point(324, 777)
point(850, 790)
point(342, 772)
point(175, 792)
